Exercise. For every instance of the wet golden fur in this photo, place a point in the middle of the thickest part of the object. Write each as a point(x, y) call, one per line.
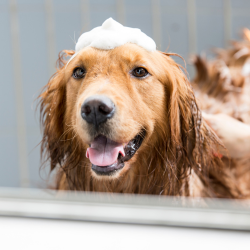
point(222, 86)
point(177, 156)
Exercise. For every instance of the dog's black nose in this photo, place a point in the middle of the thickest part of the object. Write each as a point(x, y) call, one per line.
point(97, 109)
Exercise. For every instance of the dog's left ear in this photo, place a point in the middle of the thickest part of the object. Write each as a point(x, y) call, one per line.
point(185, 119)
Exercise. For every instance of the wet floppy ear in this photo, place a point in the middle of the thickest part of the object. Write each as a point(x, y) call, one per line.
point(178, 89)
point(184, 115)
point(52, 111)
point(186, 120)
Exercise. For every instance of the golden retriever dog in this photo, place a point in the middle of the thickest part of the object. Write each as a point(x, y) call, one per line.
point(222, 86)
point(126, 120)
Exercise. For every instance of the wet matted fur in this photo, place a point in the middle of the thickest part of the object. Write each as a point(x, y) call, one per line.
point(222, 85)
point(178, 153)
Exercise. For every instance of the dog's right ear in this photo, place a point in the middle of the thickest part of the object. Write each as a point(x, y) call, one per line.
point(52, 110)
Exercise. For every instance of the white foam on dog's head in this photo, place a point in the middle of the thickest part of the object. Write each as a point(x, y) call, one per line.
point(111, 35)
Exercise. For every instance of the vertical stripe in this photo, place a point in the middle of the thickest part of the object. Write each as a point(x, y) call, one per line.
point(121, 14)
point(227, 22)
point(156, 22)
point(192, 36)
point(21, 124)
point(51, 40)
point(85, 15)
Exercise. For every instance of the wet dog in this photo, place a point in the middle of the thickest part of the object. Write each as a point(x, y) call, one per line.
point(126, 120)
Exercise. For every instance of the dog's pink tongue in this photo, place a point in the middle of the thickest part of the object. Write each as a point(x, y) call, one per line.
point(104, 152)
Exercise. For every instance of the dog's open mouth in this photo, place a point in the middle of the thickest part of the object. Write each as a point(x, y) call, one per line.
point(108, 156)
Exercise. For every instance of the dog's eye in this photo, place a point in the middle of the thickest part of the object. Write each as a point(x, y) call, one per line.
point(79, 73)
point(140, 72)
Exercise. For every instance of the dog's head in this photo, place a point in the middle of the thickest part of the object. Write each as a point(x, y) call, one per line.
point(109, 110)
